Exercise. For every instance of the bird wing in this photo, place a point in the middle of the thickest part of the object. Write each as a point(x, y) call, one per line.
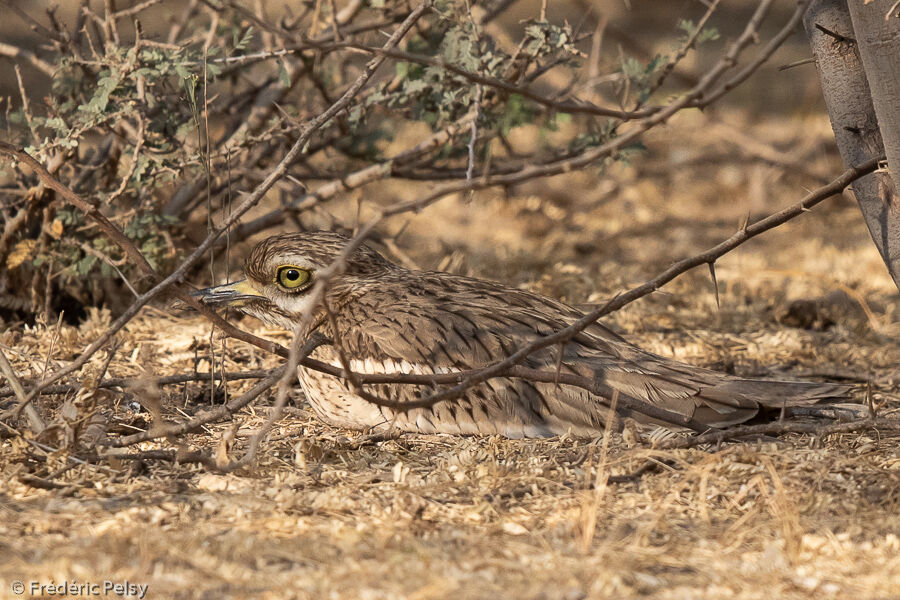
point(447, 323)
point(454, 324)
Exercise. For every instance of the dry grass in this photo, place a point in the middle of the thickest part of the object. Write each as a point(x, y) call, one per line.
point(435, 516)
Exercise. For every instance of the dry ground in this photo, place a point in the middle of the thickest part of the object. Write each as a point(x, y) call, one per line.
point(437, 517)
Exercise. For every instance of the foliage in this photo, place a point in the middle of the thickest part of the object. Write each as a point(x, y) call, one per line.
point(162, 134)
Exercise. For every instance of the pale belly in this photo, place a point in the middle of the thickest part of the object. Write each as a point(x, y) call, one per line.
point(334, 403)
point(489, 411)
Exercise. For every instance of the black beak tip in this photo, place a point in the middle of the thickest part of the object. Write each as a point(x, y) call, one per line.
point(201, 295)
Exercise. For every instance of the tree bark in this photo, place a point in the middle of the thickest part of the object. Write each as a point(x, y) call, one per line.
point(845, 87)
point(878, 40)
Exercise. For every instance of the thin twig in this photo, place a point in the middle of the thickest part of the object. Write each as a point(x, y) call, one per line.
point(688, 45)
point(134, 162)
point(764, 55)
point(126, 382)
point(297, 353)
point(137, 8)
point(218, 413)
point(34, 418)
point(26, 109)
point(16, 52)
point(356, 179)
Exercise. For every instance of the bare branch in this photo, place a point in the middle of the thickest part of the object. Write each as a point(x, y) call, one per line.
point(34, 418)
point(125, 382)
point(216, 414)
point(15, 52)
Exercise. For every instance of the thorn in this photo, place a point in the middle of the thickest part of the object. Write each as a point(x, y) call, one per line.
point(298, 183)
point(797, 63)
point(712, 273)
point(835, 35)
point(562, 348)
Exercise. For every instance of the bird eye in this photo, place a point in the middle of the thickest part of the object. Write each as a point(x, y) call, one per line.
point(291, 277)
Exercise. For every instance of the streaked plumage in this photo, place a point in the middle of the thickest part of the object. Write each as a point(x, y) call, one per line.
point(395, 320)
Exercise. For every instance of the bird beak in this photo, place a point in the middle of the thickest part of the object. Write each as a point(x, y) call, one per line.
point(229, 294)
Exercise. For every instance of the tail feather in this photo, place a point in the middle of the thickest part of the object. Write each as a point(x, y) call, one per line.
point(715, 407)
point(708, 397)
point(776, 394)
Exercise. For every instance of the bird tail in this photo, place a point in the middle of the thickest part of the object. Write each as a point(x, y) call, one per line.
point(765, 395)
point(777, 394)
point(708, 397)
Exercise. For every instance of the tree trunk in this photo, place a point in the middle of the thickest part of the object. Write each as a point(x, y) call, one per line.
point(878, 40)
point(845, 87)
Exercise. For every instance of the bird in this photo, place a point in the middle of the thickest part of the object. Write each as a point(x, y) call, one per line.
point(388, 319)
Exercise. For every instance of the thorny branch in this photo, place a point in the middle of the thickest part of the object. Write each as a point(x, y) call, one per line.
point(218, 413)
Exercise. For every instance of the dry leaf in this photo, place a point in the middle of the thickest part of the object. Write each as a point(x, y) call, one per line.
point(514, 528)
point(56, 229)
point(20, 253)
point(224, 445)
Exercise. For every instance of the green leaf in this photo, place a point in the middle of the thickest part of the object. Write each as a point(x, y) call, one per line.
point(687, 25)
point(708, 34)
point(283, 76)
point(58, 124)
point(517, 112)
point(244, 41)
point(182, 71)
point(84, 266)
point(100, 100)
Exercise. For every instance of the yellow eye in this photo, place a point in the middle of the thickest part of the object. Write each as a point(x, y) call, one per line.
point(291, 277)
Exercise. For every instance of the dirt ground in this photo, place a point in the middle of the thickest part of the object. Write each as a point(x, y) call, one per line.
point(437, 516)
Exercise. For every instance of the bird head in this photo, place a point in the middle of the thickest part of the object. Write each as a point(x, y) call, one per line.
point(282, 270)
